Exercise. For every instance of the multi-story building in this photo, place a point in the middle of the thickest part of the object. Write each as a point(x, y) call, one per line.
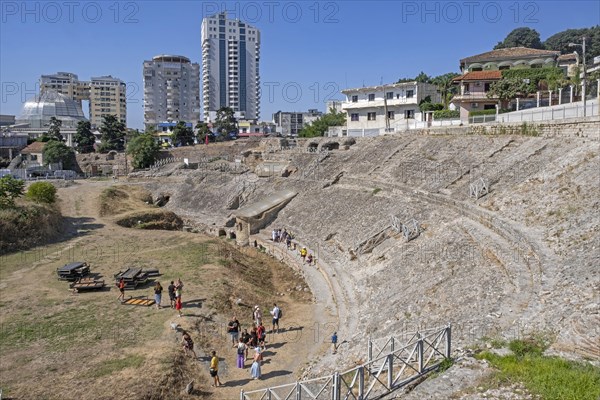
point(230, 67)
point(66, 83)
point(108, 96)
point(335, 105)
point(290, 123)
point(171, 90)
point(375, 110)
point(480, 71)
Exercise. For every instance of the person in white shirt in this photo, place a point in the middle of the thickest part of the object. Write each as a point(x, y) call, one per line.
point(275, 314)
point(257, 316)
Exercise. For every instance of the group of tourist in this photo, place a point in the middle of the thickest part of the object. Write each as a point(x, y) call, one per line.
point(174, 289)
point(283, 236)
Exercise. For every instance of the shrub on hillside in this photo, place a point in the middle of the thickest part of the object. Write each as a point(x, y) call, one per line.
point(10, 189)
point(42, 192)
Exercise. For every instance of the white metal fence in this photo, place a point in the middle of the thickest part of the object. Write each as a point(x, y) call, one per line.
point(551, 113)
point(391, 368)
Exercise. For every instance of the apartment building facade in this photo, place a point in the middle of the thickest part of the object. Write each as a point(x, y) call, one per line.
point(66, 83)
point(171, 90)
point(106, 95)
point(230, 67)
point(290, 123)
point(375, 110)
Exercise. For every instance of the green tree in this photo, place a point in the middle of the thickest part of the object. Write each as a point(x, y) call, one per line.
point(445, 86)
point(521, 37)
point(84, 138)
point(113, 134)
point(508, 88)
point(54, 129)
point(423, 78)
point(144, 149)
point(42, 192)
point(320, 126)
point(203, 130)
point(182, 134)
point(225, 122)
point(55, 152)
point(10, 189)
point(560, 42)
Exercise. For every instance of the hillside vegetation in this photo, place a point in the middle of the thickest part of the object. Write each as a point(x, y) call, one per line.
point(132, 207)
point(28, 224)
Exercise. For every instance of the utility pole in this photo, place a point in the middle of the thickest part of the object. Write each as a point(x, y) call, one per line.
point(583, 83)
point(385, 111)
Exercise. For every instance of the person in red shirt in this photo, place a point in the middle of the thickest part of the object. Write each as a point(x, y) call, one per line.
point(179, 306)
point(261, 333)
point(121, 286)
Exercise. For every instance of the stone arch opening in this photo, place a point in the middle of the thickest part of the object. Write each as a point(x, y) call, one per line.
point(222, 232)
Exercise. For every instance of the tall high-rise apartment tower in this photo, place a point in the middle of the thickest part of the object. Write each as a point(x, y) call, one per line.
point(230, 67)
point(171, 90)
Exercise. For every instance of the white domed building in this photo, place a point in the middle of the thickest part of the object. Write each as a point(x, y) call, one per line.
point(38, 111)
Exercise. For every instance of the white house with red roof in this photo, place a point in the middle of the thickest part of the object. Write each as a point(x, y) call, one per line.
point(481, 70)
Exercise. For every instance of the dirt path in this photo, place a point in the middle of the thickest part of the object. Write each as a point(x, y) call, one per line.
point(305, 336)
point(288, 354)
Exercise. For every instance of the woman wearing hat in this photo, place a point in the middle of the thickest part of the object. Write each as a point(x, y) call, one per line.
point(255, 369)
point(257, 316)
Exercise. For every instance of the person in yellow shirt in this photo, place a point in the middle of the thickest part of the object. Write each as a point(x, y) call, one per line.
point(214, 369)
point(303, 252)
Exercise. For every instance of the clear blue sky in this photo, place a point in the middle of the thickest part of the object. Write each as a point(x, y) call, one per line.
point(310, 50)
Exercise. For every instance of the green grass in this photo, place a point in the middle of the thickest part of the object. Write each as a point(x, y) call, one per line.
point(552, 378)
point(109, 367)
point(375, 191)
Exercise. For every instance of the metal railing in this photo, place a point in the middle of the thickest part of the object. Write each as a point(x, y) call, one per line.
point(165, 161)
point(388, 371)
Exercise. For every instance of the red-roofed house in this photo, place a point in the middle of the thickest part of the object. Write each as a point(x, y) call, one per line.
point(33, 154)
point(481, 70)
point(473, 88)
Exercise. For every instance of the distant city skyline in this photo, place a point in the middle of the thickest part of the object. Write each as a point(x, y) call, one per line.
point(310, 51)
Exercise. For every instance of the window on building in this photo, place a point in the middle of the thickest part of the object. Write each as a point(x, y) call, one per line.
point(371, 116)
point(389, 95)
point(486, 86)
point(371, 96)
point(409, 114)
point(355, 99)
point(390, 114)
point(354, 117)
point(410, 94)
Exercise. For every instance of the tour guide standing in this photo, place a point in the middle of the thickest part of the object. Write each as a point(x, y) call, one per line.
point(276, 314)
point(233, 328)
